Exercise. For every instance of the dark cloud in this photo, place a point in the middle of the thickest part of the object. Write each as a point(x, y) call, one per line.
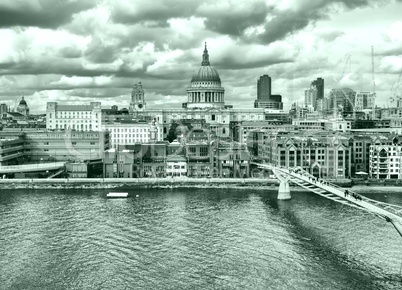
point(284, 24)
point(70, 52)
point(69, 67)
point(40, 13)
point(99, 52)
point(235, 22)
point(99, 93)
point(231, 62)
point(153, 13)
point(287, 22)
point(330, 35)
point(395, 51)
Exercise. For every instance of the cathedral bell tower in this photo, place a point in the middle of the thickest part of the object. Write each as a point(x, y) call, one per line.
point(137, 103)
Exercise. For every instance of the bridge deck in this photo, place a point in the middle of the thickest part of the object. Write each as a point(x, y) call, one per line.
point(336, 193)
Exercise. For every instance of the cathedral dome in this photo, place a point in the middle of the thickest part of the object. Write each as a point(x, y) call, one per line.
point(206, 73)
point(23, 102)
point(205, 90)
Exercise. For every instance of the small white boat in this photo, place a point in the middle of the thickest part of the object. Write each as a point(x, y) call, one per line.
point(117, 194)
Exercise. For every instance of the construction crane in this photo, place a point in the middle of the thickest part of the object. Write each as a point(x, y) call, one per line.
point(394, 90)
point(372, 73)
point(16, 104)
point(348, 63)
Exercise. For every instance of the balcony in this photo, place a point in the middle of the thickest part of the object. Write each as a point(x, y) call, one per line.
point(11, 156)
point(11, 149)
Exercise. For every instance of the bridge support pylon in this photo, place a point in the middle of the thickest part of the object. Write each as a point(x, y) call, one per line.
point(284, 190)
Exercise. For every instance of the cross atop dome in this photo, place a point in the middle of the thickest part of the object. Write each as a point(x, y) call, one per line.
point(205, 56)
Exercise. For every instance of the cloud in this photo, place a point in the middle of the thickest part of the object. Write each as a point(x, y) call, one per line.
point(40, 13)
point(298, 15)
point(78, 51)
point(151, 13)
point(229, 19)
point(329, 35)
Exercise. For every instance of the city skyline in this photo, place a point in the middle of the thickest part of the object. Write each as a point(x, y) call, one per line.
point(79, 52)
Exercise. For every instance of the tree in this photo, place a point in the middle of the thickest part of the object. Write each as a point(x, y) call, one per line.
point(172, 134)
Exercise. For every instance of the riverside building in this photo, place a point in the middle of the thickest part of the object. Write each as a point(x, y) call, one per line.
point(37, 146)
point(322, 155)
point(386, 157)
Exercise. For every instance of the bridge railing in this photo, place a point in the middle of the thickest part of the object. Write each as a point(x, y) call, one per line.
point(395, 209)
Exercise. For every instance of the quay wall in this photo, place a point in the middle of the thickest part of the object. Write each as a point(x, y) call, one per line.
point(144, 183)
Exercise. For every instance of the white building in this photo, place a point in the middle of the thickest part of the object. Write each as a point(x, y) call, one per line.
point(74, 117)
point(176, 165)
point(385, 158)
point(129, 133)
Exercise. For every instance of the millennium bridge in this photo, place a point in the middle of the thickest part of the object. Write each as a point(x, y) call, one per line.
point(390, 212)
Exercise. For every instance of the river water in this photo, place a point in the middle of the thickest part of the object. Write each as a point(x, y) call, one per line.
point(194, 239)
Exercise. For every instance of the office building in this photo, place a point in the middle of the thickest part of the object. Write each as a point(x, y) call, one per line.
point(364, 101)
point(318, 84)
point(310, 98)
point(264, 97)
point(264, 88)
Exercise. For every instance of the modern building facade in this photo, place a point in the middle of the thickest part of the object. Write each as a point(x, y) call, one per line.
point(310, 98)
point(264, 97)
point(12, 149)
point(342, 101)
point(264, 87)
point(73, 146)
point(318, 84)
point(40, 146)
point(364, 101)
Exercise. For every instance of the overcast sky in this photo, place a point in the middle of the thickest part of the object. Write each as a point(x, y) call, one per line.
point(81, 51)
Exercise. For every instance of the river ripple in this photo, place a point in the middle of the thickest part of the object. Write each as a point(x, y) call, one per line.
point(193, 239)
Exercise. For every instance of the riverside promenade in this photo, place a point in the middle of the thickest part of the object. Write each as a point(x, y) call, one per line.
point(134, 182)
point(167, 182)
